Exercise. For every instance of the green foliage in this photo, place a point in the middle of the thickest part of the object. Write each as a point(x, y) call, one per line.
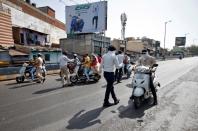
point(193, 49)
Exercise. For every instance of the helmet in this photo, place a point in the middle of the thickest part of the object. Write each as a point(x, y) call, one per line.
point(75, 55)
point(39, 54)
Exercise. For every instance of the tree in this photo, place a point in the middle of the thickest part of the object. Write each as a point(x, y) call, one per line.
point(193, 49)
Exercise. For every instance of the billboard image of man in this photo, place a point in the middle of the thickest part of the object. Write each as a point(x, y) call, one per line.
point(76, 24)
point(95, 18)
point(86, 18)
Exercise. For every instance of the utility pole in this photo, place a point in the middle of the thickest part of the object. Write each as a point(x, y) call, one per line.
point(123, 18)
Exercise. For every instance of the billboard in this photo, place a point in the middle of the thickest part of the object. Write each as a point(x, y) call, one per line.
point(86, 18)
point(180, 41)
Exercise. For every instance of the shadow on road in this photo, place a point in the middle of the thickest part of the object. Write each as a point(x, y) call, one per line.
point(9, 84)
point(82, 120)
point(58, 79)
point(22, 85)
point(130, 112)
point(48, 90)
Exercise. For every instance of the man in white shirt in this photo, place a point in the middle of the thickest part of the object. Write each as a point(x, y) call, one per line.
point(119, 71)
point(64, 69)
point(109, 61)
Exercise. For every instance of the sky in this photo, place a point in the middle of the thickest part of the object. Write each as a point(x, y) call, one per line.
point(144, 18)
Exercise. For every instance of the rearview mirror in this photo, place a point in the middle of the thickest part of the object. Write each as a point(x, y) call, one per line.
point(155, 65)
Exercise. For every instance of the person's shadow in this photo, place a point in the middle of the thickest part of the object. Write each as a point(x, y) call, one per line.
point(129, 111)
point(82, 120)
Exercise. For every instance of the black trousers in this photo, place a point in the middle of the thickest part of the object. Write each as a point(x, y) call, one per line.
point(109, 77)
point(118, 74)
point(153, 88)
point(95, 18)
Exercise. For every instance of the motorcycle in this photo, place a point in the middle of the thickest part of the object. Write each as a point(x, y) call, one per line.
point(141, 84)
point(25, 73)
point(81, 77)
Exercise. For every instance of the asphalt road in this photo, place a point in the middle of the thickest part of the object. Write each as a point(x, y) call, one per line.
point(49, 107)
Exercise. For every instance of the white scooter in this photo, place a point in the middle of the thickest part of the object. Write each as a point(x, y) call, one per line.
point(141, 84)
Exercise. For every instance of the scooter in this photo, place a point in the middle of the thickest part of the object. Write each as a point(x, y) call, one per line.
point(81, 77)
point(129, 68)
point(141, 82)
point(25, 73)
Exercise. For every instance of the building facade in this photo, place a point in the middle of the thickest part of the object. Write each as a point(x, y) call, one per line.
point(32, 25)
point(86, 44)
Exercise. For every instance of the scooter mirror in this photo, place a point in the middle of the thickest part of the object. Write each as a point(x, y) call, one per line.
point(155, 65)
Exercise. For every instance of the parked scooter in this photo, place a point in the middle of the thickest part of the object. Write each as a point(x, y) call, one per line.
point(81, 77)
point(141, 84)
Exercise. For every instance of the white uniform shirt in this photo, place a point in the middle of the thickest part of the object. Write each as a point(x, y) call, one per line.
point(40, 62)
point(109, 61)
point(64, 60)
point(120, 59)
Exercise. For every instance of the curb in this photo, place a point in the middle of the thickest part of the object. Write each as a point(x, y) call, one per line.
point(13, 76)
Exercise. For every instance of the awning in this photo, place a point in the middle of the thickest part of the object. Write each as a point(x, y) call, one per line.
point(17, 53)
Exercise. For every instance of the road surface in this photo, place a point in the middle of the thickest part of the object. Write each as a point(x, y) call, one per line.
point(49, 107)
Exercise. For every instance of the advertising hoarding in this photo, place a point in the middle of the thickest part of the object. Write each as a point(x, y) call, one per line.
point(86, 18)
point(180, 41)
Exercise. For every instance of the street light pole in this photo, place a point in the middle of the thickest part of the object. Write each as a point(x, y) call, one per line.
point(185, 37)
point(165, 34)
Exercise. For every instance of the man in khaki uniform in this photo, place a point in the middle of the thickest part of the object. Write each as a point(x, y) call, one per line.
point(146, 59)
point(149, 61)
point(63, 61)
point(39, 64)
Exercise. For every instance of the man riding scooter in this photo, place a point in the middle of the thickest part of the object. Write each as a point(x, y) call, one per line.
point(148, 61)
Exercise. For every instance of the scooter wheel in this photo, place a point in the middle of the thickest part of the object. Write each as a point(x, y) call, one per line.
point(137, 102)
point(20, 79)
point(73, 79)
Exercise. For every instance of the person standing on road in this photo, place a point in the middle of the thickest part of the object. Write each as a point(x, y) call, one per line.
point(119, 71)
point(64, 69)
point(77, 63)
point(39, 65)
point(149, 61)
point(126, 63)
point(87, 65)
point(109, 61)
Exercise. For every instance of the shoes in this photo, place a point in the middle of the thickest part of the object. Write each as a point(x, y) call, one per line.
point(107, 104)
point(43, 80)
point(117, 101)
point(70, 84)
point(38, 82)
point(131, 97)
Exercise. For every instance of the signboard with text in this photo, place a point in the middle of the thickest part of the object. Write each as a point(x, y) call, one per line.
point(180, 41)
point(86, 18)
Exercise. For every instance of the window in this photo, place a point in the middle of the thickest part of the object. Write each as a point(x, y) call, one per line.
point(47, 57)
point(22, 38)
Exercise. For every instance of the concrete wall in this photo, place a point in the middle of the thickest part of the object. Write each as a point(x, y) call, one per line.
point(82, 46)
point(54, 56)
point(135, 46)
point(9, 73)
point(86, 43)
point(116, 43)
point(22, 19)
